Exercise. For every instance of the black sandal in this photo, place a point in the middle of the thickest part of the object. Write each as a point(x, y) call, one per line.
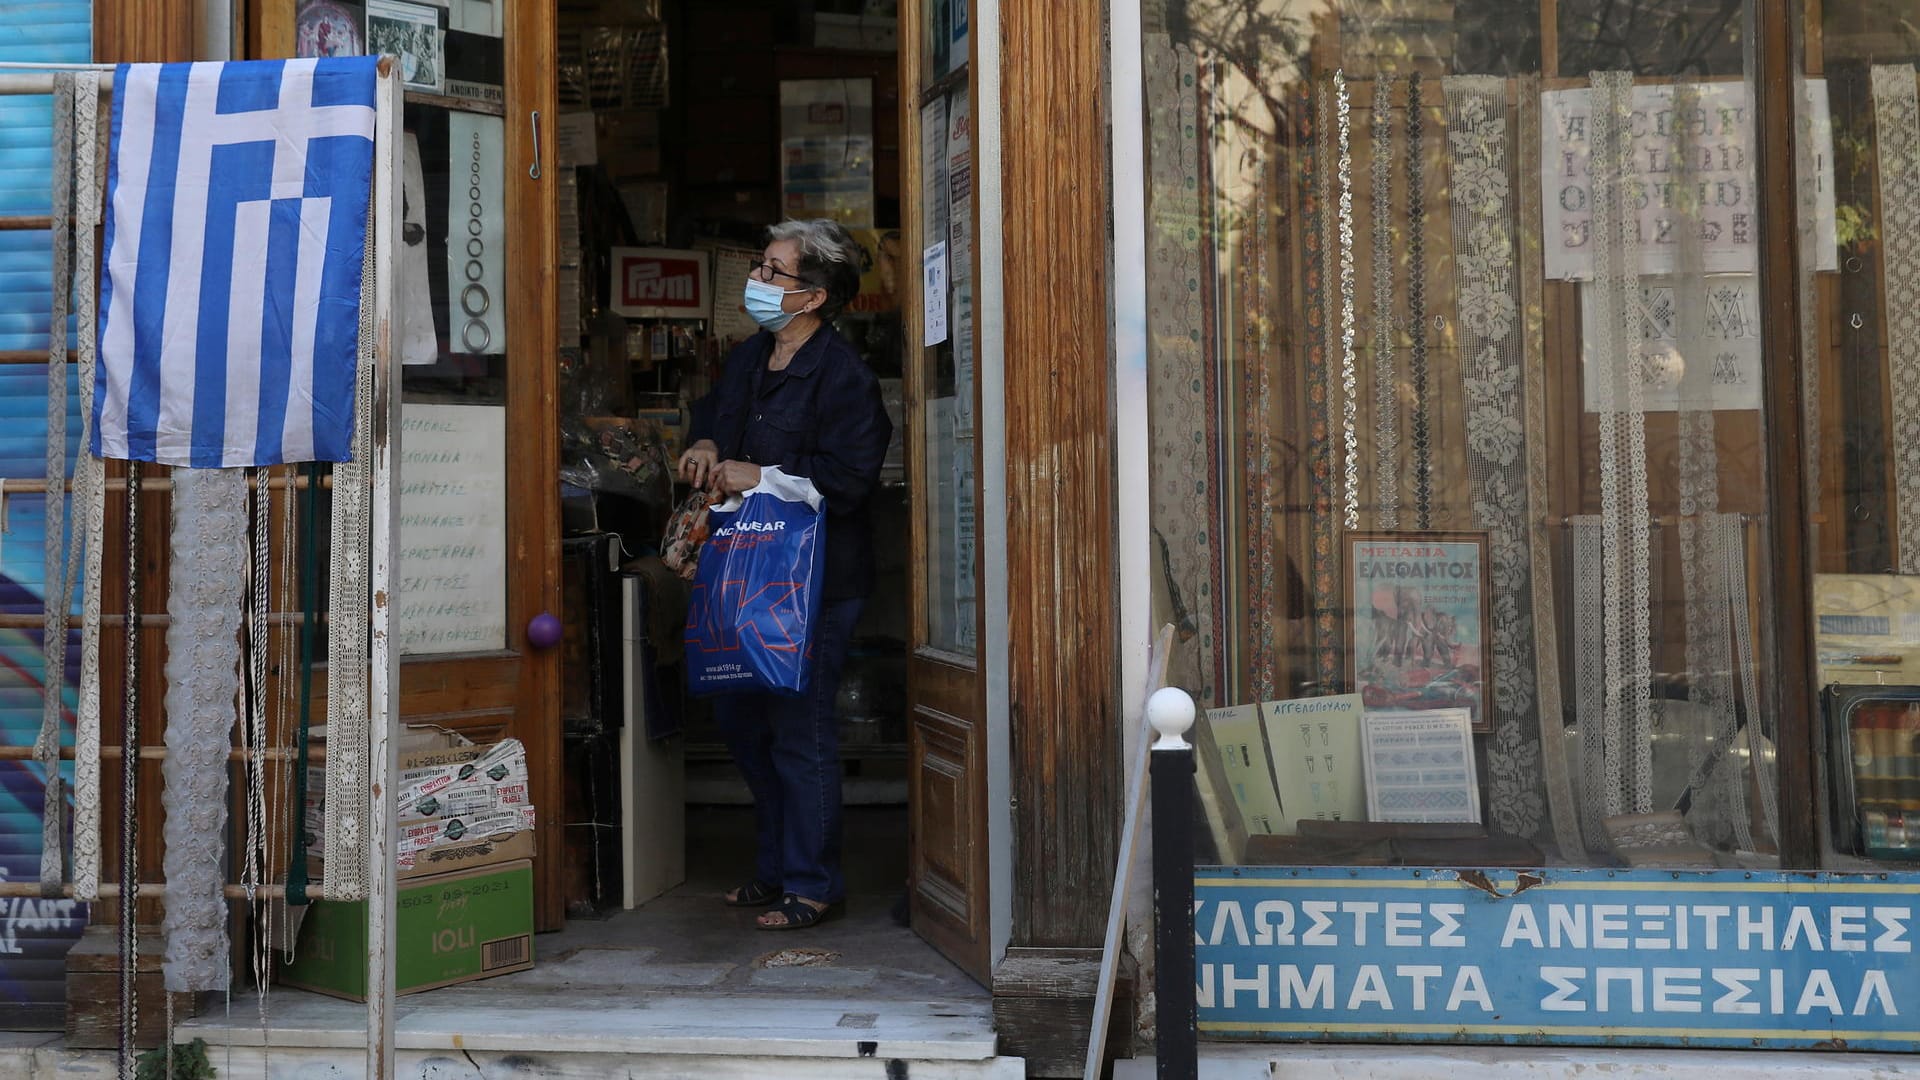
point(755, 893)
point(800, 914)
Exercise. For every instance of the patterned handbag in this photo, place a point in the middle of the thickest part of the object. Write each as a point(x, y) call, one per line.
point(686, 532)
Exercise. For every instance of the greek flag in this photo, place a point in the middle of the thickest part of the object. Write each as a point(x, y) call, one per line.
point(237, 201)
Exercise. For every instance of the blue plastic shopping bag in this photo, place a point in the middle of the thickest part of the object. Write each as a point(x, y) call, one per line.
point(756, 594)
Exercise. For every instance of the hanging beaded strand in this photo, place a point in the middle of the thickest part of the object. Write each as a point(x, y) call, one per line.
point(1349, 373)
point(1421, 434)
point(130, 790)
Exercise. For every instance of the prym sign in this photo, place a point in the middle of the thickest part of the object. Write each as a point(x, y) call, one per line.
point(661, 283)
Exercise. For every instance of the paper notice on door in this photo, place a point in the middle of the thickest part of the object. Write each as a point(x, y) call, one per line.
point(933, 167)
point(933, 292)
point(452, 584)
point(731, 266)
point(577, 139)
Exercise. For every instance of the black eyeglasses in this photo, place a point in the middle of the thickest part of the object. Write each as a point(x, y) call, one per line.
point(766, 271)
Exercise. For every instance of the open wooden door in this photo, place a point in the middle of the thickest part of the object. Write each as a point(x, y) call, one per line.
point(480, 517)
point(496, 382)
point(947, 752)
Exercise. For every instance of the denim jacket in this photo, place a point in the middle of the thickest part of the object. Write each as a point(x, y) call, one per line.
point(821, 418)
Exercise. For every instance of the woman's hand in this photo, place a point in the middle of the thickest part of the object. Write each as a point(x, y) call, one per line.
point(733, 477)
point(696, 465)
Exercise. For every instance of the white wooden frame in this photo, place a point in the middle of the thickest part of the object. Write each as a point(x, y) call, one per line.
point(990, 370)
point(1140, 663)
point(383, 697)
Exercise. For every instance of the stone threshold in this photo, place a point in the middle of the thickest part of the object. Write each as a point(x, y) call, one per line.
point(571, 1033)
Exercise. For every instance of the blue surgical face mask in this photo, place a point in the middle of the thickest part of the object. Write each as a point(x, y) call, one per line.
point(763, 300)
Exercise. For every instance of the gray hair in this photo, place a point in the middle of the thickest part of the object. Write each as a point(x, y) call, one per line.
point(829, 259)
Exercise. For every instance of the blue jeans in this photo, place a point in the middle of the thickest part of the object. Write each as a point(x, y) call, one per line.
point(788, 748)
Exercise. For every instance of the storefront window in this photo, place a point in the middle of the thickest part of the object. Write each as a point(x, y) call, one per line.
point(1459, 451)
point(454, 275)
point(1860, 344)
point(947, 366)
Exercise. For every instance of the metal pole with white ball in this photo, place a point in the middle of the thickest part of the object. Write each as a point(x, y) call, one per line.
point(1176, 1049)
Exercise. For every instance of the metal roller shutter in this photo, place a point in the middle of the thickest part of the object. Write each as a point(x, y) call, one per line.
point(34, 934)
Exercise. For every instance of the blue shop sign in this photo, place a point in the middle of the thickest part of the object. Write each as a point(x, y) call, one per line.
point(1653, 958)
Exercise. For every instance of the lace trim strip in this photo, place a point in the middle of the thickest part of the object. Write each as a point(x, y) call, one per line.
point(1623, 458)
point(89, 491)
point(1322, 386)
point(1480, 163)
point(1386, 390)
point(1562, 807)
point(1265, 607)
point(57, 595)
point(204, 602)
point(1896, 118)
point(1183, 496)
point(1715, 775)
point(345, 808)
point(1590, 678)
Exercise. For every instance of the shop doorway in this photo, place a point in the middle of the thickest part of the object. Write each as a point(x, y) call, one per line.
point(684, 129)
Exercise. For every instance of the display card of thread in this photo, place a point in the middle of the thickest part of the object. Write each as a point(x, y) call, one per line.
point(1885, 740)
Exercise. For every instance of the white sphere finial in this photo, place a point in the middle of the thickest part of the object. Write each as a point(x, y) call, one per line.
point(1170, 711)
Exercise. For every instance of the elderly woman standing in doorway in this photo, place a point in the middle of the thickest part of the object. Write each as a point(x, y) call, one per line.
point(797, 396)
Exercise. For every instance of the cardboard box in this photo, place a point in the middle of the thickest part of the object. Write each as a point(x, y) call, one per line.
point(442, 860)
point(461, 805)
point(443, 782)
point(453, 928)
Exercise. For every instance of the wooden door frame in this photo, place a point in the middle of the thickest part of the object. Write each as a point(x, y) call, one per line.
point(939, 674)
point(1062, 595)
point(533, 420)
point(1065, 553)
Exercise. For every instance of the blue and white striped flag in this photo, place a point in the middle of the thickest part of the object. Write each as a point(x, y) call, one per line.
point(237, 201)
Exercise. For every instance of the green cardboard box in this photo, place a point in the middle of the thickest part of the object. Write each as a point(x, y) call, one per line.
point(452, 928)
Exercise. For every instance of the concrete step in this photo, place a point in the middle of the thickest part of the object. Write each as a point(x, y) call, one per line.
point(570, 1035)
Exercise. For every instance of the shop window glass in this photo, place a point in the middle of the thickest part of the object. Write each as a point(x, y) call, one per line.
point(1458, 441)
point(950, 566)
point(1651, 37)
point(1860, 257)
point(453, 312)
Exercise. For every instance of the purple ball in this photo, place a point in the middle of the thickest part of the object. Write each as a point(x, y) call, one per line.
point(545, 631)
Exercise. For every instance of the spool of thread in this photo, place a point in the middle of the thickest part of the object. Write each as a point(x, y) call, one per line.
point(1873, 828)
point(1861, 732)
